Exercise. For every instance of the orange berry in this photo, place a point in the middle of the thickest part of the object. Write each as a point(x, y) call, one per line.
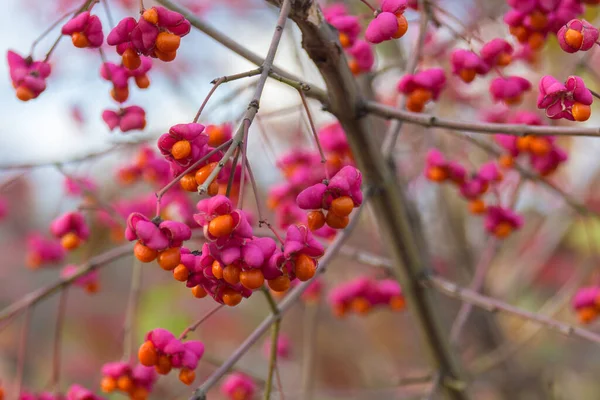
point(279, 284)
point(151, 16)
point(120, 94)
point(354, 67)
point(467, 75)
point(33, 260)
point(538, 20)
point(147, 354)
point(231, 297)
point(536, 41)
point(477, 206)
point(397, 303)
point(181, 273)
point(144, 253)
point(163, 366)
point(402, 27)
point(188, 182)
point(241, 393)
point(217, 269)
point(199, 292)
point(520, 32)
point(167, 42)
point(539, 146)
point(139, 394)
point(203, 173)
point(574, 38)
point(524, 142)
point(360, 305)
point(413, 105)
point(503, 60)
point(513, 101)
point(142, 81)
point(252, 278)
point(170, 258)
point(213, 190)
point(181, 149)
point(24, 94)
point(187, 376)
point(335, 221)
point(221, 226)
point(216, 135)
point(108, 384)
point(421, 95)
point(586, 314)
point(437, 174)
point(231, 274)
point(342, 206)
point(92, 287)
point(502, 230)
point(125, 383)
point(305, 268)
point(166, 57)
point(506, 161)
point(70, 241)
point(344, 40)
point(581, 112)
point(316, 220)
point(80, 40)
point(339, 310)
point(131, 59)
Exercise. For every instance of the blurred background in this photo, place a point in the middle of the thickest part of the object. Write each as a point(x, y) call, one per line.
point(359, 357)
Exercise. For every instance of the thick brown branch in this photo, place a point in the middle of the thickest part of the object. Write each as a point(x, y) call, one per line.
point(396, 217)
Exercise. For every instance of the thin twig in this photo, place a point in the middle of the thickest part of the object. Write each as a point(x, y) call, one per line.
point(131, 312)
point(313, 129)
point(266, 68)
point(476, 283)
point(217, 82)
point(22, 350)
point(36, 296)
point(490, 304)
point(432, 121)
point(196, 324)
point(274, 340)
point(60, 319)
point(391, 136)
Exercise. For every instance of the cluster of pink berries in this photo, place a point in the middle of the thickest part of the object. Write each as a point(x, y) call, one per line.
point(359, 51)
point(157, 34)
point(42, 250)
point(499, 221)
point(238, 386)
point(332, 202)
point(75, 392)
point(363, 294)
point(544, 154)
point(134, 381)
point(587, 304)
point(389, 23)
point(71, 229)
point(571, 100)
point(163, 351)
point(298, 169)
point(28, 77)
point(531, 21)
point(234, 263)
point(146, 166)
